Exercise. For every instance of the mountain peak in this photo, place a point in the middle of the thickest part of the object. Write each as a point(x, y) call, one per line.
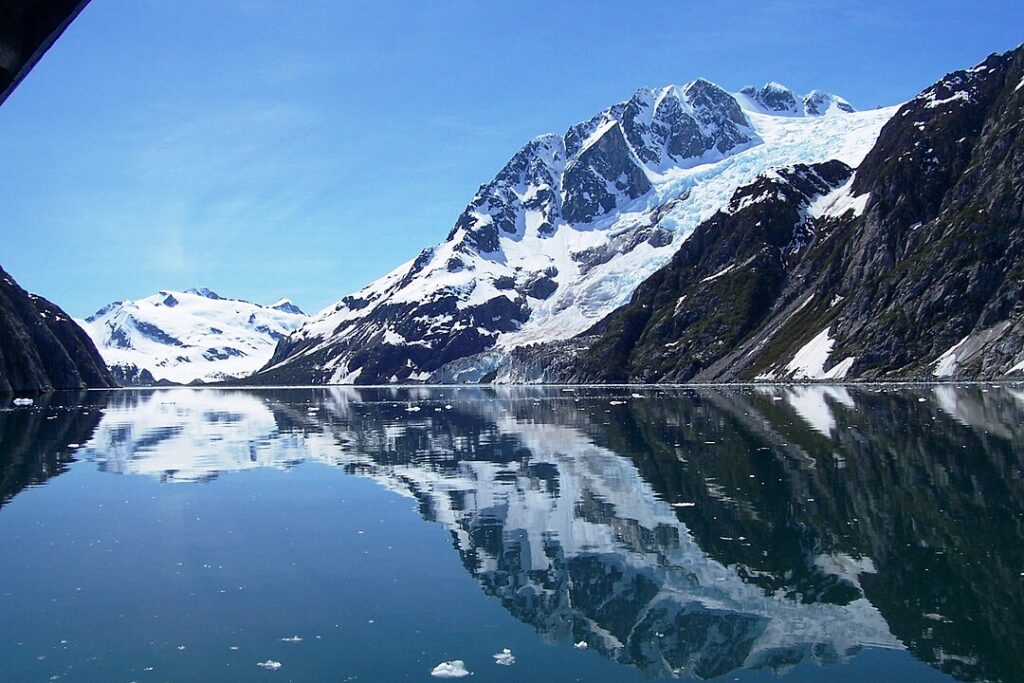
point(819, 103)
point(204, 292)
point(776, 99)
point(286, 306)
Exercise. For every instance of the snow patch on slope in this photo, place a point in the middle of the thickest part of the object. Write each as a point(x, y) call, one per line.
point(838, 202)
point(946, 364)
point(809, 362)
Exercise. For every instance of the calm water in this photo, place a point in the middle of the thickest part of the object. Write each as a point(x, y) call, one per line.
point(807, 533)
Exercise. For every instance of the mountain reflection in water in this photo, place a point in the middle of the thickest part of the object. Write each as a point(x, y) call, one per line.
point(689, 532)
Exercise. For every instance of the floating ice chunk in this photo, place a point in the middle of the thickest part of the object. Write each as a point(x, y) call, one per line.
point(505, 657)
point(616, 403)
point(582, 645)
point(453, 669)
point(269, 665)
point(683, 505)
point(291, 639)
point(74, 445)
point(412, 409)
point(23, 401)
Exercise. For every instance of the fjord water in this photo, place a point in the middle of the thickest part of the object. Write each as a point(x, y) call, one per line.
point(808, 532)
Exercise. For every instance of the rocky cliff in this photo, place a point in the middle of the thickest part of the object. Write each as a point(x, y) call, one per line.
point(41, 347)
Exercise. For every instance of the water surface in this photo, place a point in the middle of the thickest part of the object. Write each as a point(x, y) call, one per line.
point(808, 533)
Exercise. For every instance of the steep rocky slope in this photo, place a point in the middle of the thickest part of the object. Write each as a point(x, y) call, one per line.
point(913, 268)
point(41, 347)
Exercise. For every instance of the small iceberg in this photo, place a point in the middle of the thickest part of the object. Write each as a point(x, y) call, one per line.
point(453, 669)
point(269, 665)
point(582, 645)
point(292, 639)
point(505, 657)
point(23, 401)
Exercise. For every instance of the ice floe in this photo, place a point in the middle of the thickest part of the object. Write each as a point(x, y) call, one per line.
point(453, 669)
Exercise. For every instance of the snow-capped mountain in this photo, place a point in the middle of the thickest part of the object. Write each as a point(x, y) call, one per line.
point(567, 229)
point(187, 336)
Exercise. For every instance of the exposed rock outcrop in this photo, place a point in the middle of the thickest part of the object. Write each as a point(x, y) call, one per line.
point(41, 347)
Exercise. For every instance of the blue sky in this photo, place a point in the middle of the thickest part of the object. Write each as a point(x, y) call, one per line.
point(302, 149)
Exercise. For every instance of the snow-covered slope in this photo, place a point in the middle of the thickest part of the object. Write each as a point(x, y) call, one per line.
point(187, 336)
point(568, 228)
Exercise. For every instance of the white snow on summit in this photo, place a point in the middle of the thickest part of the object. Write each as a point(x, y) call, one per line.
point(192, 335)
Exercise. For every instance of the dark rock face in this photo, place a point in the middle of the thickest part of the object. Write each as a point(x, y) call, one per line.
point(718, 113)
point(774, 97)
point(27, 30)
point(673, 125)
point(422, 338)
point(288, 307)
point(497, 206)
point(588, 181)
point(41, 347)
point(131, 375)
point(934, 261)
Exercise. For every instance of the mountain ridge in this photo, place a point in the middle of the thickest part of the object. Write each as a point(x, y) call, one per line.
point(190, 336)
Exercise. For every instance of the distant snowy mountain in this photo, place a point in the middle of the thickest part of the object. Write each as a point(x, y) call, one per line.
point(566, 231)
point(187, 336)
